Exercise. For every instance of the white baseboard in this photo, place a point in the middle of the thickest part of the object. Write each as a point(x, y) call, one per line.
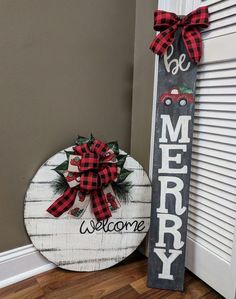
point(21, 263)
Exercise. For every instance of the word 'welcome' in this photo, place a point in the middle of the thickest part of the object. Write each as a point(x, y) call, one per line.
point(111, 226)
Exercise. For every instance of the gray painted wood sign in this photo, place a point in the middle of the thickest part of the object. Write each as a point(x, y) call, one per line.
point(83, 244)
point(171, 167)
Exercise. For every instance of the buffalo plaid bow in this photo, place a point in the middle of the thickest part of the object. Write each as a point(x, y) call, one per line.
point(167, 23)
point(95, 168)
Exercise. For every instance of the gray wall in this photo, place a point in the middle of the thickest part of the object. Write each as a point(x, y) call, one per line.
point(66, 67)
point(143, 82)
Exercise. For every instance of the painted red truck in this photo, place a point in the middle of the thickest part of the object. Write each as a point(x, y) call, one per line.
point(175, 96)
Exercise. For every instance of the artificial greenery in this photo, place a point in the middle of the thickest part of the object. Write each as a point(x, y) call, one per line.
point(62, 167)
point(59, 185)
point(113, 145)
point(81, 140)
point(122, 190)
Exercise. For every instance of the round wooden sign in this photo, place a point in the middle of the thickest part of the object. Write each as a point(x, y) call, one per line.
point(83, 244)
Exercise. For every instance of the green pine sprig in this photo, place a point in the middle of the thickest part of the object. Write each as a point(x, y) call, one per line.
point(122, 190)
point(59, 185)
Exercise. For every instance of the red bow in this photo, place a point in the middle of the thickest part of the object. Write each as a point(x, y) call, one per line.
point(167, 23)
point(96, 168)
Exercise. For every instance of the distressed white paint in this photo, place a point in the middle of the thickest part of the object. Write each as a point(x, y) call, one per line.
point(60, 239)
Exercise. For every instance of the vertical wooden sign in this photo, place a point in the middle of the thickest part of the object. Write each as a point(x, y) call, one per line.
point(171, 167)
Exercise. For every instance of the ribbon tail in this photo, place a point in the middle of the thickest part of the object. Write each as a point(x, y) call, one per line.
point(63, 203)
point(80, 205)
point(113, 201)
point(193, 43)
point(153, 45)
point(100, 205)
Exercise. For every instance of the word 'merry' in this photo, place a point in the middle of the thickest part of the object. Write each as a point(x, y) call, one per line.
point(171, 189)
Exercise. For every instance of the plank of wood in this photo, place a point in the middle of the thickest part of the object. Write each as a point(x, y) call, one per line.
point(125, 292)
point(171, 167)
point(140, 285)
point(26, 289)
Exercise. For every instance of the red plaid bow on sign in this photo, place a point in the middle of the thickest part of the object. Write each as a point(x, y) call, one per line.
point(90, 169)
point(167, 23)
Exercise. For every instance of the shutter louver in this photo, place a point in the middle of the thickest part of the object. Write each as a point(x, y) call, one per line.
point(212, 210)
point(222, 18)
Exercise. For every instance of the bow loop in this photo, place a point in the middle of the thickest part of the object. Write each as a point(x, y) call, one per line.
point(99, 148)
point(163, 20)
point(108, 174)
point(198, 17)
point(89, 161)
point(81, 149)
point(167, 23)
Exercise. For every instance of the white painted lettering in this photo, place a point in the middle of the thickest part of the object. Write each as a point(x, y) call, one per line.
point(166, 229)
point(166, 158)
point(166, 261)
point(181, 127)
point(176, 191)
point(175, 64)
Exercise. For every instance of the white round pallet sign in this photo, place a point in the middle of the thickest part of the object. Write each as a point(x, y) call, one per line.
point(77, 244)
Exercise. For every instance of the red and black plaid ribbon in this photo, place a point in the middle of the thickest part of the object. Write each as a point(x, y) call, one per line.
point(63, 203)
point(167, 23)
point(96, 171)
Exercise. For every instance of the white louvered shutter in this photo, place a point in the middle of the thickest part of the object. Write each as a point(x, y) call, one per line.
point(211, 246)
point(211, 241)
